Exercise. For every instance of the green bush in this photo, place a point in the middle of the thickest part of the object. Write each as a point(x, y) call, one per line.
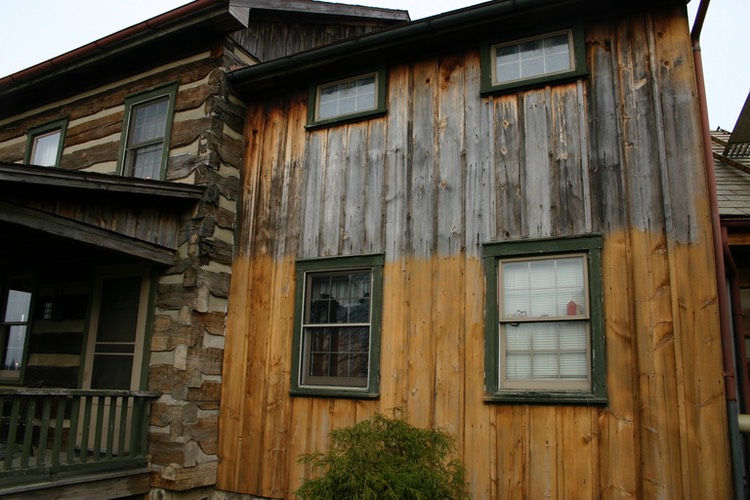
point(385, 458)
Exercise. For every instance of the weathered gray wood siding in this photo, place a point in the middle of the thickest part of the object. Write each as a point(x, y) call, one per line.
point(268, 40)
point(445, 170)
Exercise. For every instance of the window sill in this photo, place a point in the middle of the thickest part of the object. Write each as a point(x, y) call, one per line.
point(333, 393)
point(542, 398)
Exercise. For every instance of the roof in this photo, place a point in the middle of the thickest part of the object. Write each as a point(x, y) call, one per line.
point(732, 178)
point(184, 30)
point(443, 31)
point(738, 144)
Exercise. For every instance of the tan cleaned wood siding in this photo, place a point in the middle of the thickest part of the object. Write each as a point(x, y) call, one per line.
point(444, 171)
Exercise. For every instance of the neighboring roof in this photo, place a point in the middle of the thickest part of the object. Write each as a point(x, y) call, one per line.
point(446, 30)
point(732, 178)
point(738, 145)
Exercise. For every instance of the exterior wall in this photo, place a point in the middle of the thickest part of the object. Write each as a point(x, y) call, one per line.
point(187, 340)
point(616, 153)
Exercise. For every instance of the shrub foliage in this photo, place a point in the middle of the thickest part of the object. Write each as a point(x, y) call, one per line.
point(385, 458)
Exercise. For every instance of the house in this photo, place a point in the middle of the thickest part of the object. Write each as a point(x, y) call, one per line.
point(731, 155)
point(498, 219)
point(120, 167)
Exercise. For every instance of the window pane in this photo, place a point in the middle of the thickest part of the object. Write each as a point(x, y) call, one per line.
point(351, 96)
point(146, 161)
point(44, 149)
point(546, 351)
point(338, 353)
point(15, 320)
point(533, 58)
point(148, 121)
point(543, 288)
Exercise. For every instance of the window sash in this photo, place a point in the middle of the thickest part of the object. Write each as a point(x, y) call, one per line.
point(529, 58)
point(336, 338)
point(146, 131)
point(543, 322)
point(14, 327)
point(45, 148)
point(346, 97)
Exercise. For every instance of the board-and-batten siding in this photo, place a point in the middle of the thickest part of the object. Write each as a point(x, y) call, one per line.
point(444, 171)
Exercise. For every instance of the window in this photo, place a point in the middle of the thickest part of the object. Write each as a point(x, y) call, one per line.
point(44, 147)
point(337, 326)
point(533, 60)
point(14, 327)
point(147, 126)
point(545, 335)
point(347, 99)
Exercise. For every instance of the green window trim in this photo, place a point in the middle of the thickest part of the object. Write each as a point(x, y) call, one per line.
point(489, 85)
point(496, 252)
point(305, 270)
point(41, 131)
point(314, 101)
point(132, 102)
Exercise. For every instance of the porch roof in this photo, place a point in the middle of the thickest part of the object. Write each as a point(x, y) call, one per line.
point(59, 203)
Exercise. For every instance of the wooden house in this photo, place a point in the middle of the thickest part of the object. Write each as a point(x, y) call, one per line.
point(731, 155)
point(498, 219)
point(120, 167)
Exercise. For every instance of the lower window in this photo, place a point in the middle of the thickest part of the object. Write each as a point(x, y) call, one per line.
point(337, 326)
point(545, 337)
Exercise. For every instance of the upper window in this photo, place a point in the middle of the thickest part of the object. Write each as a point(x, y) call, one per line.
point(14, 328)
point(337, 326)
point(347, 99)
point(147, 126)
point(533, 60)
point(545, 338)
point(44, 147)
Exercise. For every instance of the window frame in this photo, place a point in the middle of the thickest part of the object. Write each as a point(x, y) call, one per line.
point(494, 253)
point(314, 99)
point(36, 132)
point(131, 102)
point(346, 264)
point(577, 52)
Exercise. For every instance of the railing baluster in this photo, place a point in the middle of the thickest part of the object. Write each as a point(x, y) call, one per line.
point(43, 430)
point(28, 431)
point(136, 428)
point(99, 426)
point(111, 425)
point(75, 413)
point(126, 402)
point(85, 429)
point(59, 430)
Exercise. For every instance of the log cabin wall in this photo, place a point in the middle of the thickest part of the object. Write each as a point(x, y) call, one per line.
point(445, 170)
point(189, 317)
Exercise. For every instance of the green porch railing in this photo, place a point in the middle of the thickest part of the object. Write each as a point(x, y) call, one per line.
point(53, 432)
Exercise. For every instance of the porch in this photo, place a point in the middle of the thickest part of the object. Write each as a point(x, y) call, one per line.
point(61, 438)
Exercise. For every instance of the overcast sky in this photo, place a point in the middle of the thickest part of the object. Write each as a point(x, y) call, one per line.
point(32, 31)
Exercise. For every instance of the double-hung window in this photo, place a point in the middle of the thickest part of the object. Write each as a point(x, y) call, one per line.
point(347, 99)
point(44, 147)
point(14, 328)
point(533, 60)
point(337, 326)
point(545, 335)
point(147, 129)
